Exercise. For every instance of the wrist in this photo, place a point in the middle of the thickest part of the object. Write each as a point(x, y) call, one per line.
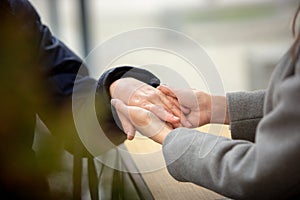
point(161, 136)
point(219, 110)
point(204, 107)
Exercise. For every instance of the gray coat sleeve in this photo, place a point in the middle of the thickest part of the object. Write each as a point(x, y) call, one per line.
point(245, 111)
point(239, 169)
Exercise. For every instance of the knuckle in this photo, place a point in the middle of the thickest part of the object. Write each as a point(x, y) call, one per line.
point(152, 94)
point(135, 100)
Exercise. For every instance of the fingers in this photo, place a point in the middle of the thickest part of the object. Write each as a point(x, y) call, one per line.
point(126, 124)
point(163, 103)
point(185, 122)
point(177, 109)
point(173, 100)
point(166, 90)
point(143, 120)
point(170, 104)
point(181, 112)
point(185, 110)
point(120, 106)
point(162, 113)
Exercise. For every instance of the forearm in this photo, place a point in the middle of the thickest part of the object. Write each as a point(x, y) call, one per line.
point(237, 169)
point(208, 161)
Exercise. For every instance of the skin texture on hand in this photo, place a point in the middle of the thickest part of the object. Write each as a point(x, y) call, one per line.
point(204, 108)
point(136, 93)
point(143, 120)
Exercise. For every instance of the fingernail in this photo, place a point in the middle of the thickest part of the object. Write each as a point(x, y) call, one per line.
point(175, 118)
point(129, 136)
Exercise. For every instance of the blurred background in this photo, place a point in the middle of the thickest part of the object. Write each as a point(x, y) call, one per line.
point(245, 38)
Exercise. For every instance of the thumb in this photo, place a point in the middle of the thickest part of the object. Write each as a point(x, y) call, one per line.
point(119, 105)
point(127, 126)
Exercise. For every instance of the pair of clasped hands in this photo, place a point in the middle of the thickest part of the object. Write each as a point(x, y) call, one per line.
point(154, 112)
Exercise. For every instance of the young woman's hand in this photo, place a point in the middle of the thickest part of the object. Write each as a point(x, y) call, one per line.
point(136, 93)
point(203, 108)
point(143, 120)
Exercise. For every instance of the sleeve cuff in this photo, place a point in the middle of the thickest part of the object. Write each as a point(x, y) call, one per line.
point(245, 111)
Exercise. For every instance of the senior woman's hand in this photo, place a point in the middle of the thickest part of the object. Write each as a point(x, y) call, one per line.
point(136, 93)
point(143, 120)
